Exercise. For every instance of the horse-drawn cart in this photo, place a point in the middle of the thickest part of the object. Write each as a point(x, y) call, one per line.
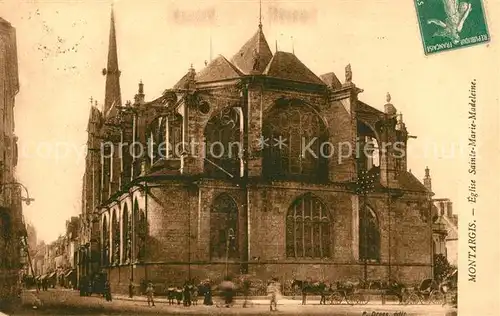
point(347, 292)
point(428, 292)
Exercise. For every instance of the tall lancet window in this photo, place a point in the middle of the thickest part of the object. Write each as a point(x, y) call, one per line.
point(308, 229)
point(223, 144)
point(105, 241)
point(369, 235)
point(127, 240)
point(368, 151)
point(295, 136)
point(115, 226)
point(224, 228)
point(174, 136)
point(140, 232)
point(165, 137)
point(106, 151)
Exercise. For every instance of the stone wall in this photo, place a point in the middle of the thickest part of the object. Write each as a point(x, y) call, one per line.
point(179, 232)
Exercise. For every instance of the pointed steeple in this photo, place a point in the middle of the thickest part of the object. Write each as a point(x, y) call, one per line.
point(260, 14)
point(113, 93)
point(255, 55)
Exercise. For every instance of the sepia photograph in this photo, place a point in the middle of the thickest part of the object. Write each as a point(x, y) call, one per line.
point(249, 157)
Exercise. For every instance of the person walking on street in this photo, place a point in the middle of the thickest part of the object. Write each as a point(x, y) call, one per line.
point(130, 289)
point(107, 292)
point(150, 291)
point(187, 294)
point(246, 291)
point(305, 286)
point(207, 294)
point(273, 289)
point(323, 292)
point(227, 291)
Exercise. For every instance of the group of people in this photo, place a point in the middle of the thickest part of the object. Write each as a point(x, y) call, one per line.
point(188, 294)
point(43, 285)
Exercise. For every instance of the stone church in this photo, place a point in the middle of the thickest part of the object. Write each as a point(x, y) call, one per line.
point(250, 165)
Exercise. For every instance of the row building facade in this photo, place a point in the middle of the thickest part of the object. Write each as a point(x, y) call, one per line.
point(12, 227)
point(284, 203)
point(445, 231)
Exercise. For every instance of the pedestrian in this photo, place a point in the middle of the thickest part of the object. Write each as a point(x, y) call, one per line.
point(227, 289)
point(150, 291)
point(194, 295)
point(304, 292)
point(187, 295)
point(207, 294)
point(323, 290)
point(246, 291)
point(178, 295)
point(107, 292)
point(89, 288)
point(273, 290)
point(130, 289)
point(82, 286)
point(171, 294)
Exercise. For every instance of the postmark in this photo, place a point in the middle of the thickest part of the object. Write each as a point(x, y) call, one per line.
point(451, 24)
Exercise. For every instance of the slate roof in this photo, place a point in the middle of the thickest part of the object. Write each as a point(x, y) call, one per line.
point(255, 47)
point(218, 69)
point(287, 66)
point(281, 65)
point(367, 108)
point(331, 80)
point(407, 181)
point(183, 82)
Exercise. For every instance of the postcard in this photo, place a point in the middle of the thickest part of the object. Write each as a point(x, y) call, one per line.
point(249, 157)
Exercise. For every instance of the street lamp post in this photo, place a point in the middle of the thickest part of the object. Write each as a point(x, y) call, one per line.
point(28, 201)
point(230, 236)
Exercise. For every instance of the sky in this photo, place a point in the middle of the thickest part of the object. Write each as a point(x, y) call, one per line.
point(62, 49)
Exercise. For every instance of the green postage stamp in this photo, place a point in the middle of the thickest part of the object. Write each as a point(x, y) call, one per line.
point(451, 24)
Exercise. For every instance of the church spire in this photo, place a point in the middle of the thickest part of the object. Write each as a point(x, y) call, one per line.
point(260, 14)
point(113, 94)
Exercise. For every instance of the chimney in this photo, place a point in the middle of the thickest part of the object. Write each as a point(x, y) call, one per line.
point(427, 179)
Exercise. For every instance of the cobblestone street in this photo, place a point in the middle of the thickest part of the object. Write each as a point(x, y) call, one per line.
point(66, 302)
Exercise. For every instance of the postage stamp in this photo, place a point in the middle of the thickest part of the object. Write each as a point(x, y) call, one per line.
point(451, 24)
point(245, 157)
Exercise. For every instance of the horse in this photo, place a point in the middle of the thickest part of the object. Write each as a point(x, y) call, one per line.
point(395, 288)
point(309, 287)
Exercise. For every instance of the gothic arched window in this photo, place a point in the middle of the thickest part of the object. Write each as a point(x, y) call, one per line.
point(127, 240)
point(223, 144)
point(142, 233)
point(295, 142)
point(224, 228)
point(369, 235)
point(308, 229)
point(140, 226)
point(115, 255)
point(165, 137)
point(369, 154)
point(105, 241)
point(174, 136)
